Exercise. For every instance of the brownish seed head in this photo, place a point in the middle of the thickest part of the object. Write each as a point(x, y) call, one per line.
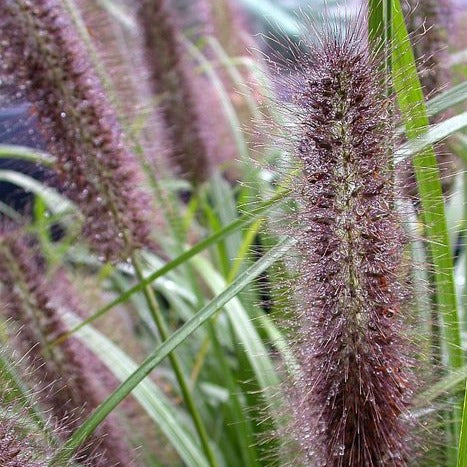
point(175, 84)
point(67, 375)
point(43, 53)
point(351, 400)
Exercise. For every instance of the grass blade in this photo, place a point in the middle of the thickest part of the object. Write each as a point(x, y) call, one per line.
point(211, 240)
point(150, 397)
point(245, 332)
point(13, 151)
point(379, 28)
point(56, 203)
point(435, 134)
point(449, 98)
point(88, 427)
point(412, 106)
point(462, 456)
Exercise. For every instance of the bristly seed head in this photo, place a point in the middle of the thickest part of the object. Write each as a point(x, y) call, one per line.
point(70, 386)
point(350, 404)
point(16, 450)
point(174, 81)
point(41, 50)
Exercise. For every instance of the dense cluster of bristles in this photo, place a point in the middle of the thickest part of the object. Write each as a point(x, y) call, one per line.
point(42, 52)
point(175, 83)
point(70, 387)
point(15, 450)
point(350, 402)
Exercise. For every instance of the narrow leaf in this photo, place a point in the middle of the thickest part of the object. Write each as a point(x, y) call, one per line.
point(412, 106)
point(88, 427)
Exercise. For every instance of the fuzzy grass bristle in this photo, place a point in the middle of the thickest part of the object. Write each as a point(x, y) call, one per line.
point(70, 388)
point(426, 21)
point(43, 53)
point(15, 449)
point(350, 404)
point(173, 80)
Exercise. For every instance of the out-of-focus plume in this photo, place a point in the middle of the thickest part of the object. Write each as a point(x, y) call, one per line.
point(121, 54)
point(65, 374)
point(15, 448)
point(42, 51)
point(173, 82)
point(427, 22)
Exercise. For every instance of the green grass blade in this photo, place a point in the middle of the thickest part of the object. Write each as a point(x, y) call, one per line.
point(188, 397)
point(240, 422)
point(211, 240)
point(245, 333)
point(462, 455)
point(56, 203)
point(149, 396)
point(435, 134)
point(88, 427)
point(379, 28)
point(449, 384)
point(12, 151)
point(412, 106)
point(449, 98)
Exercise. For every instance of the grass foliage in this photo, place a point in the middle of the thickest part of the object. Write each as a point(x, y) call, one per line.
point(187, 329)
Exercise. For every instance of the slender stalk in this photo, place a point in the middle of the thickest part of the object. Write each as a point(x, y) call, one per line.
point(175, 363)
point(462, 456)
point(380, 30)
point(176, 338)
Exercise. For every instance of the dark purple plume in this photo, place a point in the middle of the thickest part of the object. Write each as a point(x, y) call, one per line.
point(350, 402)
point(70, 387)
point(42, 52)
point(174, 82)
point(16, 448)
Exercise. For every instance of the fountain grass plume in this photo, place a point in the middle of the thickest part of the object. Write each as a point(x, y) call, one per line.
point(43, 53)
point(350, 403)
point(173, 81)
point(16, 449)
point(27, 438)
point(20, 446)
point(427, 21)
point(69, 385)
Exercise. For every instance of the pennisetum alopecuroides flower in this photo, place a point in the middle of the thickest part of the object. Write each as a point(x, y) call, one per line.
point(43, 53)
point(69, 383)
point(15, 448)
point(350, 401)
point(174, 81)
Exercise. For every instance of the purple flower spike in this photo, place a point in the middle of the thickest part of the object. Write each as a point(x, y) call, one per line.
point(350, 402)
point(173, 80)
point(68, 381)
point(42, 52)
point(15, 449)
